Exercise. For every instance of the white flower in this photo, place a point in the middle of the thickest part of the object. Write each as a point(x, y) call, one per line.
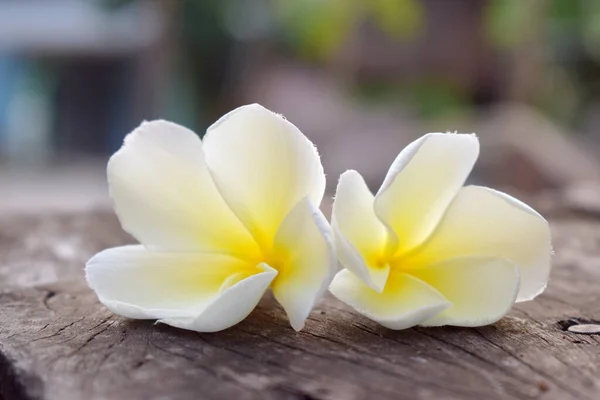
point(219, 222)
point(427, 251)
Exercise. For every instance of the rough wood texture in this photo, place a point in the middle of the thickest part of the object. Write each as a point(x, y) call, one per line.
point(58, 342)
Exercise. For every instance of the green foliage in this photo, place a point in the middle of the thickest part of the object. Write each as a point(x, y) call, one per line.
point(435, 97)
point(318, 28)
point(564, 12)
point(506, 21)
point(400, 19)
point(591, 28)
point(429, 97)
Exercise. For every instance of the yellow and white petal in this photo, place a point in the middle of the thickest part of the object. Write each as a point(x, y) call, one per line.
point(234, 302)
point(422, 182)
point(306, 261)
point(485, 222)
point(360, 236)
point(165, 196)
point(405, 301)
point(482, 290)
point(136, 283)
point(263, 166)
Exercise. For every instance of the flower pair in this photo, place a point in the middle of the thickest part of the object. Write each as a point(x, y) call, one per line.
point(223, 219)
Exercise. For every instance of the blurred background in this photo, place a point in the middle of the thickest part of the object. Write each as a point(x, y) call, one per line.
point(361, 78)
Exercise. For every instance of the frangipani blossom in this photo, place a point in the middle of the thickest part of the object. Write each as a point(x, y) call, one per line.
point(427, 251)
point(219, 221)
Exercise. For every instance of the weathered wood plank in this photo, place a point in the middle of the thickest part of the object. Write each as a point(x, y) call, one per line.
point(58, 342)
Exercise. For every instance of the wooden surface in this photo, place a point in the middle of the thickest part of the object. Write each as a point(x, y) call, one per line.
point(58, 342)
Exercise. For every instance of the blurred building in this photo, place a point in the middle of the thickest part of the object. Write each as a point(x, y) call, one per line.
point(75, 75)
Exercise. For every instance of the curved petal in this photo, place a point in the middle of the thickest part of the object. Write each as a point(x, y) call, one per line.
point(485, 222)
point(360, 237)
point(263, 166)
point(137, 283)
point(306, 261)
point(405, 301)
point(422, 182)
point(230, 306)
point(481, 290)
point(165, 197)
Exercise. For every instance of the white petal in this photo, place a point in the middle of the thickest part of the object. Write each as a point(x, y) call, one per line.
point(360, 237)
point(307, 261)
point(263, 166)
point(405, 301)
point(481, 290)
point(165, 196)
point(422, 182)
point(137, 283)
point(230, 306)
point(485, 222)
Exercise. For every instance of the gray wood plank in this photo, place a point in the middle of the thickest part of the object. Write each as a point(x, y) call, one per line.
point(58, 342)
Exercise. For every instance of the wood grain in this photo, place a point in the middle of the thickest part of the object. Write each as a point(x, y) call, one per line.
point(58, 342)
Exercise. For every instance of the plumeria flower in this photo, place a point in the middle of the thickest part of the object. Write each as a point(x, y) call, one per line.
point(427, 251)
point(219, 221)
